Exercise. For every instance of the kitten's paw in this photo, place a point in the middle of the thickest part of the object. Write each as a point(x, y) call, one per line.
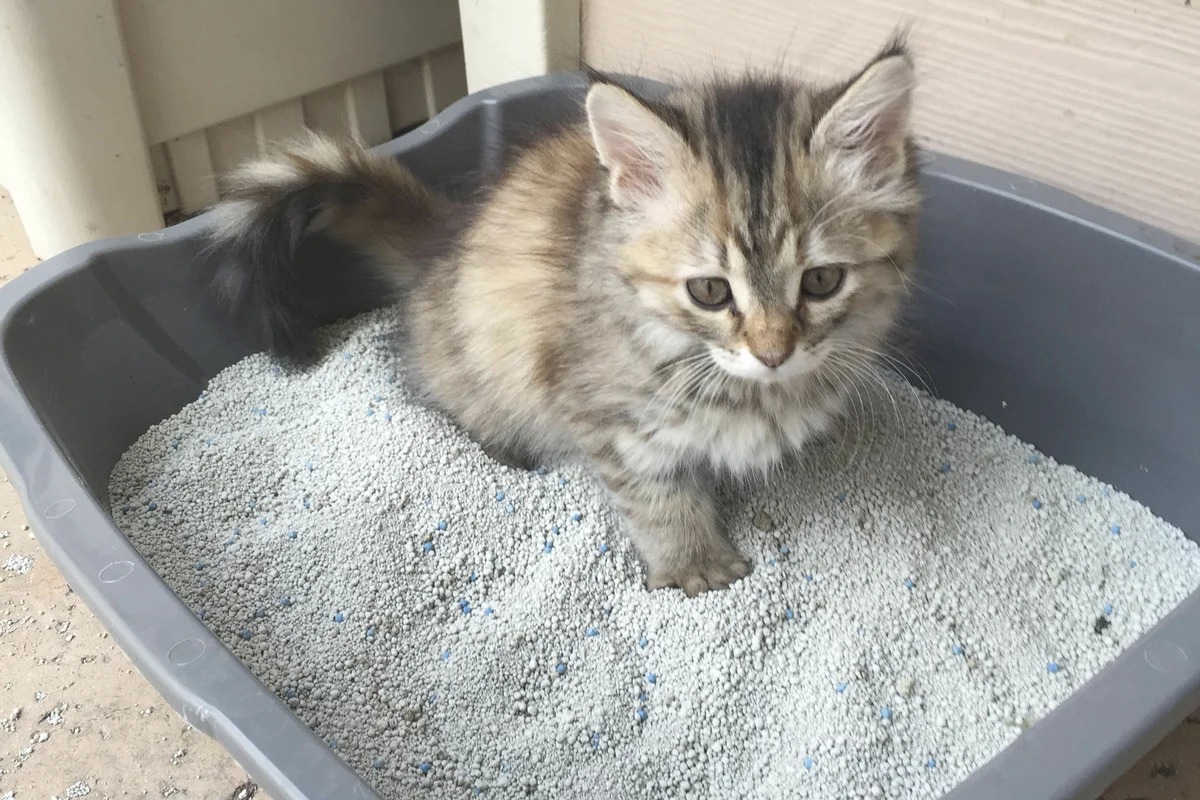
point(705, 573)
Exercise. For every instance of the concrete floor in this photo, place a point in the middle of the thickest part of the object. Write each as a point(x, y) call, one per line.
point(85, 717)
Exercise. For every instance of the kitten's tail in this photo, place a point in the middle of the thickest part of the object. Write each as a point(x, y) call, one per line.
point(319, 191)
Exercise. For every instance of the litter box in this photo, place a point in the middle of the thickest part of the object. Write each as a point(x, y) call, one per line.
point(1074, 328)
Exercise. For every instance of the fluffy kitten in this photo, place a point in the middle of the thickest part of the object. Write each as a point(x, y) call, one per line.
point(670, 290)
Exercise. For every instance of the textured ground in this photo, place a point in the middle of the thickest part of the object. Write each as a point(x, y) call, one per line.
point(118, 737)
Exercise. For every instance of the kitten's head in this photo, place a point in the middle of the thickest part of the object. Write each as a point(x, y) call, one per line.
point(768, 221)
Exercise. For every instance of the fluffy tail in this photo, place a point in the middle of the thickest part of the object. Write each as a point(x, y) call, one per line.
point(325, 194)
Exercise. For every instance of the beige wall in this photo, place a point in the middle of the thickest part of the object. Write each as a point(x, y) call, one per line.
point(1101, 97)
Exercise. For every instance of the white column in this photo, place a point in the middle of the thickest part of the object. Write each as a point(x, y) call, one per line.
point(505, 40)
point(72, 152)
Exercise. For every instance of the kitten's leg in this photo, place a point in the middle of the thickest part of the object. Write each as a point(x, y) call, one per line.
point(674, 523)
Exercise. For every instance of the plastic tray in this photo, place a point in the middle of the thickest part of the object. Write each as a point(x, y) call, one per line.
point(1074, 328)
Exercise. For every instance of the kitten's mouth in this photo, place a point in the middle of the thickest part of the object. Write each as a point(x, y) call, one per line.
point(745, 365)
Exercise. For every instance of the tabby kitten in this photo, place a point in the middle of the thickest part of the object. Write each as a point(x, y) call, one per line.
point(668, 290)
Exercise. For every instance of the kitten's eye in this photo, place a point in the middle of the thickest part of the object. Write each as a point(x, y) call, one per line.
point(710, 293)
point(821, 282)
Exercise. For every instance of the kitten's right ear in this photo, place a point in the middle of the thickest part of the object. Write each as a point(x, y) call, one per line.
point(637, 148)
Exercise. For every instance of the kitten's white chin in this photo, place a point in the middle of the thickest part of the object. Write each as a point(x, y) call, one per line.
point(743, 364)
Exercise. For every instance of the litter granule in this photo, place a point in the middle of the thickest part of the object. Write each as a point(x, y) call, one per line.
point(922, 593)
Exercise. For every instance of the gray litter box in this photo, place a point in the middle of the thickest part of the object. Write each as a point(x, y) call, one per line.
point(1074, 328)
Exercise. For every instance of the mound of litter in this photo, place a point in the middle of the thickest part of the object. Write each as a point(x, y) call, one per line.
point(921, 594)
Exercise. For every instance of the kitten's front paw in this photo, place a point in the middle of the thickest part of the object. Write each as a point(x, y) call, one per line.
point(704, 573)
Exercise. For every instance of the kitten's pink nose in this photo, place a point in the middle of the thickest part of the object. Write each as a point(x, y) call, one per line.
point(776, 355)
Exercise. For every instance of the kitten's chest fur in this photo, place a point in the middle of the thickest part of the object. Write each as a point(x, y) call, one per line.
point(729, 435)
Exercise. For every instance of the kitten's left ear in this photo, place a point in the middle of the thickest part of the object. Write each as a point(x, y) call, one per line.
point(872, 113)
point(638, 149)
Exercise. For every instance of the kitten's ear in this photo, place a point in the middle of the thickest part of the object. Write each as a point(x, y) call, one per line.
point(872, 113)
point(637, 148)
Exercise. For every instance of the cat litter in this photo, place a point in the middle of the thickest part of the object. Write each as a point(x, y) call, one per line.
point(903, 623)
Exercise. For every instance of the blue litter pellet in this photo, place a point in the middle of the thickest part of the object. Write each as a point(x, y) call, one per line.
point(427, 546)
point(236, 531)
point(262, 521)
point(424, 767)
point(576, 517)
point(945, 466)
point(885, 713)
point(153, 506)
point(1052, 667)
point(1115, 530)
point(908, 583)
point(563, 481)
point(377, 763)
point(643, 642)
point(246, 633)
point(788, 614)
point(174, 444)
point(339, 617)
point(1081, 498)
point(306, 503)
point(370, 412)
point(931, 764)
point(508, 508)
point(950, 426)
point(591, 632)
point(289, 693)
point(603, 548)
point(260, 613)
point(387, 417)
point(499, 496)
point(472, 577)
point(554, 530)
point(957, 650)
point(841, 496)
point(1108, 609)
point(371, 632)
point(808, 577)
point(1132, 564)
point(840, 688)
point(1037, 504)
point(441, 525)
point(1033, 458)
point(332, 742)
point(548, 547)
point(542, 470)
point(595, 741)
point(445, 655)
point(202, 614)
point(308, 465)
point(809, 763)
point(651, 677)
point(200, 565)
point(784, 550)
point(489, 611)
point(641, 715)
point(464, 606)
point(285, 601)
point(433, 695)
point(643, 697)
point(291, 534)
point(561, 669)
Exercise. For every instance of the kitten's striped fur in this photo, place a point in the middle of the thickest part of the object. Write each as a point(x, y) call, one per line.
point(557, 323)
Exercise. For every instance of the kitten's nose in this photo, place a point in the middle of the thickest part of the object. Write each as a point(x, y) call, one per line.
point(776, 355)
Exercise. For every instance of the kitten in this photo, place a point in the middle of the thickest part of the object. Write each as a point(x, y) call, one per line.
point(671, 290)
